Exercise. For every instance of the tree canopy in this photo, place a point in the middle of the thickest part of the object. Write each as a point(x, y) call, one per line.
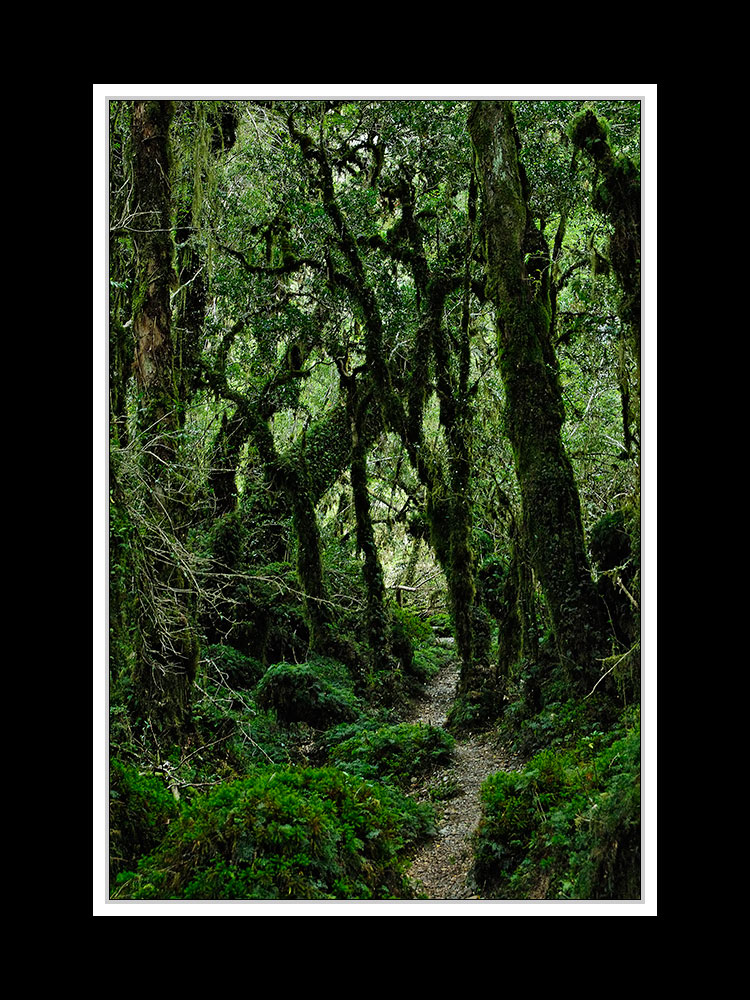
point(374, 392)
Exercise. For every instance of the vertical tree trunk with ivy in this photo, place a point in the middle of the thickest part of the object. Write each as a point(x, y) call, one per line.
point(518, 284)
point(168, 653)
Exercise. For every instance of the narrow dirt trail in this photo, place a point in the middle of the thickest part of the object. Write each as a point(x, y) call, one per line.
point(441, 869)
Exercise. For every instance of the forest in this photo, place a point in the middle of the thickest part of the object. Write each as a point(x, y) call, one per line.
point(374, 466)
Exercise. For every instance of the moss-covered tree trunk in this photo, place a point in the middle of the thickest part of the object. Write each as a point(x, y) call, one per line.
point(168, 653)
point(309, 559)
point(516, 619)
point(120, 279)
point(617, 195)
point(378, 624)
point(401, 401)
point(225, 454)
point(154, 363)
point(534, 414)
point(289, 475)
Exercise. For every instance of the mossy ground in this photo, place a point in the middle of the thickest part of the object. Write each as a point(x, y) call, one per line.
point(284, 833)
point(291, 789)
point(568, 826)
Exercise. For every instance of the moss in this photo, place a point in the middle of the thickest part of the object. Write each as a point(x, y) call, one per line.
point(309, 562)
point(377, 619)
point(319, 692)
point(395, 753)
point(286, 833)
point(140, 811)
point(534, 411)
point(618, 196)
point(477, 707)
point(591, 133)
point(568, 825)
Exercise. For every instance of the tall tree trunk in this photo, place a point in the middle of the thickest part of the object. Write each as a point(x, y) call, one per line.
point(168, 654)
point(518, 285)
point(377, 618)
point(618, 197)
point(289, 474)
point(155, 273)
point(225, 457)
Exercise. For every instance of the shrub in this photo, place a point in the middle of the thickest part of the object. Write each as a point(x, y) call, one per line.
point(394, 752)
point(568, 825)
point(319, 691)
point(416, 629)
point(430, 659)
point(241, 671)
point(513, 804)
point(441, 624)
point(140, 810)
point(294, 833)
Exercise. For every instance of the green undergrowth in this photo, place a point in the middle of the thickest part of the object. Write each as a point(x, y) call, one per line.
point(395, 753)
point(285, 833)
point(568, 825)
point(291, 786)
point(474, 710)
point(140, 811)
point(429, 659)
point(319, 691)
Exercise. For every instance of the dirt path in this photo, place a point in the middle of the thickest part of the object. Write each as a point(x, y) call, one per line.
point(441, 868)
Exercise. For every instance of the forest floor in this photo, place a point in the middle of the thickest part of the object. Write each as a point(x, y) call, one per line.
point(441, 869)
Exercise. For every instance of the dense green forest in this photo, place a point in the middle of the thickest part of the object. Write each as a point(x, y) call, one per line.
point(374, 380)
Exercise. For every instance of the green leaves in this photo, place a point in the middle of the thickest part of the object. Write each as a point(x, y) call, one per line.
point(319, 692)
point(564, 814)
point(394, 752)
point(295, 833)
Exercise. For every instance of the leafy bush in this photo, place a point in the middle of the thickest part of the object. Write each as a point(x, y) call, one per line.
point(295, 833)
point(319, 691)
point(429, 659)
point(441, 624)
point(568, 825)
point(394, 752)
point(140, 810)
point(411, 624)
point(241, 671)
point(557, 724)
point(479, 705)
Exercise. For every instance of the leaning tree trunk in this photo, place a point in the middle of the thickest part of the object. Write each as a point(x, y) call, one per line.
point(518, 286)
point(168, 654)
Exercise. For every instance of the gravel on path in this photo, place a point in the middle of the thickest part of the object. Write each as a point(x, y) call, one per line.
point(441, 869)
